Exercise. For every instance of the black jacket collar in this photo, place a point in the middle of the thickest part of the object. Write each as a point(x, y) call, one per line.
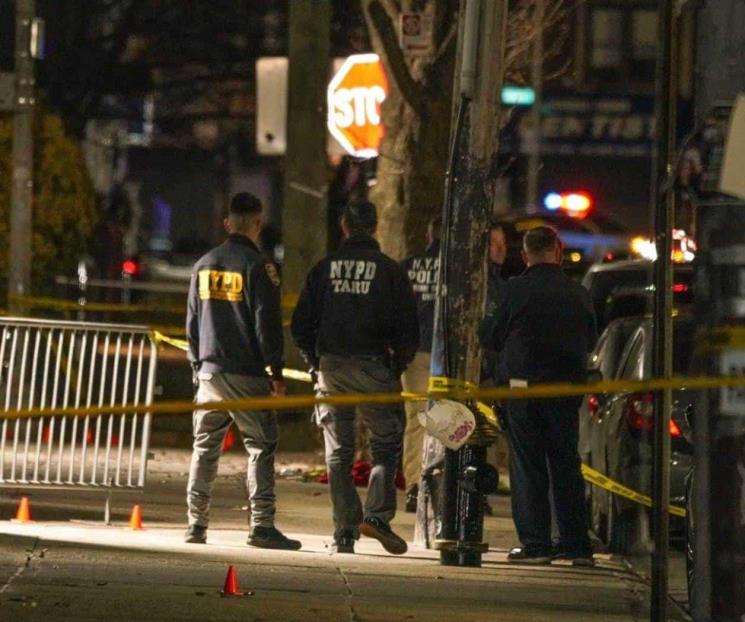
point(361, 240)
point(544, 268)
point(237, 238)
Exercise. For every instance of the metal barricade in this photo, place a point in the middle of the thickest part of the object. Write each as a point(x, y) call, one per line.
point(51, 364)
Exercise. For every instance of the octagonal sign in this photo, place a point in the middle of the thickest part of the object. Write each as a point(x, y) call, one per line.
point(355, 96)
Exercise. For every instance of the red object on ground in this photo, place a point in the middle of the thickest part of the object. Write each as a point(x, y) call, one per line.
point(361, 473)
point(23, 515)
point(361, 476)
point(231, 583)
point(229, 440)
point(135, 519)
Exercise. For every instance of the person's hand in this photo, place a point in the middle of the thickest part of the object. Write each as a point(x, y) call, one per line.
point(279, 388)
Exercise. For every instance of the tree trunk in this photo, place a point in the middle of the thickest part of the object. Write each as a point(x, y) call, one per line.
point(414, 151)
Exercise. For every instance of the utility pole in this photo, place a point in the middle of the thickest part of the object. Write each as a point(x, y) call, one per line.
point(21, 200)
point(536, 79)
point(467, 209)
point(662, 352)
point(306, 163)
point(719, 426)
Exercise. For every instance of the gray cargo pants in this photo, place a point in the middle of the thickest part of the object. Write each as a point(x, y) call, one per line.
point(258, 432)
point(385, 424)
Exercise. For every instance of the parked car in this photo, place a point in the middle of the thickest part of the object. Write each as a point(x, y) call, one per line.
point(603, 363)
point(625, 288)
point(619, 433)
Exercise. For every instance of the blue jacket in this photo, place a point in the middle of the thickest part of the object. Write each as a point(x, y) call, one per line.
point(423, 271)
point(357, 302)
point(233, 320)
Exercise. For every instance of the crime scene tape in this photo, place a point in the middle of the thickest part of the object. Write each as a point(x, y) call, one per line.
point(291, 402)
point(181, 344)
point(41, 302)
point(73, 305)
point(612, 486)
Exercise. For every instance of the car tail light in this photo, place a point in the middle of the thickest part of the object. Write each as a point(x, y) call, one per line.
point(680, 288)
point(640, 413)
point(130, 267)
point(593, 405)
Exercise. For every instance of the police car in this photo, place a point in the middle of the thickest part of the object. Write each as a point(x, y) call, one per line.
point(589, 236)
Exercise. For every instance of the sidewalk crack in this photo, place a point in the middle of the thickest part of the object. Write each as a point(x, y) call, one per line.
point(350, 595)
point(31, 555)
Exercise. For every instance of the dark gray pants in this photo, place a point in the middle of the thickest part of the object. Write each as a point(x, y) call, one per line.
point(258, 432)
point(385, 424)
point(543, 437)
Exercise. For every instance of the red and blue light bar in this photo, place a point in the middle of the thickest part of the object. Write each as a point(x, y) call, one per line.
point(576, 204)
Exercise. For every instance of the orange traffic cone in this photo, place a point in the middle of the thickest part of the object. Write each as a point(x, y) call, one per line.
point(231, 583)
point(135, 519)
point(23, 515)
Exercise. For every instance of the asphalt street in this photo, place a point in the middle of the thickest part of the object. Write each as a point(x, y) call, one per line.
point(69, 565)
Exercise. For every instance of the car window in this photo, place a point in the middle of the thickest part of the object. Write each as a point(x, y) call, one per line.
point(632, 367)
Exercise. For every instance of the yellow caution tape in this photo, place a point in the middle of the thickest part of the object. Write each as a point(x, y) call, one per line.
point(451, 386)
point(73, 305)
point(159, 338)
point(612, 486)
point(307, 401)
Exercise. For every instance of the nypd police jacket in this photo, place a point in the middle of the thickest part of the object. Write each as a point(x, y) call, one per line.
point(233, 320)
point(357, 302)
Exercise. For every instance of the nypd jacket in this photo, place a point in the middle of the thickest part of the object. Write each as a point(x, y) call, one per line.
point(357, 301)
point(422, 271)
point(233, 320)
point(543, 327)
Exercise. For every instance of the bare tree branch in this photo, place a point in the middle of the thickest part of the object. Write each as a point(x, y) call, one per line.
point(394, 58)
point(448, 43)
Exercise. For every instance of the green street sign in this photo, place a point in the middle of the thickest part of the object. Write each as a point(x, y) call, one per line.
point(517, 95)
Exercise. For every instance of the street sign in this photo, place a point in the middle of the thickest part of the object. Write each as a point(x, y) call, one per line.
point(415, 30)
point(7, 91)
point(355, 96)
point(517, 95)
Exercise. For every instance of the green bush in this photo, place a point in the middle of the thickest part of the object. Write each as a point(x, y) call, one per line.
point(64, 207)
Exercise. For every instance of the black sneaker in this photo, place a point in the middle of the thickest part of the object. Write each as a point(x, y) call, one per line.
point(196, 534)
point(343, 544)
point(375, 528)
point(529, 555)
point(272, 538)
point(411, 498)
point(578, 558)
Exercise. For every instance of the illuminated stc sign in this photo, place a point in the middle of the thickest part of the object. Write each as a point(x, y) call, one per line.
point(355, 96)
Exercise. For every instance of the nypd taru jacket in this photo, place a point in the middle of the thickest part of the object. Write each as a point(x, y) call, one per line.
point(357, 302)
point(422, 271)
point(233, 320)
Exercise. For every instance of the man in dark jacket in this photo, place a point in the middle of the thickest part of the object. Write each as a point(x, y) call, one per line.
point(422, 271)
point(543, 328)
point(356, 325)
point(234, 329)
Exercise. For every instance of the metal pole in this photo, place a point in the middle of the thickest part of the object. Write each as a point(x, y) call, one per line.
point(468, 204)
point(663, 342)
point(536, 78)
point(19, 265)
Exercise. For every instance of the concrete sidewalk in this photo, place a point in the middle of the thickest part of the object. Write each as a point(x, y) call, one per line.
point(69, 566)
